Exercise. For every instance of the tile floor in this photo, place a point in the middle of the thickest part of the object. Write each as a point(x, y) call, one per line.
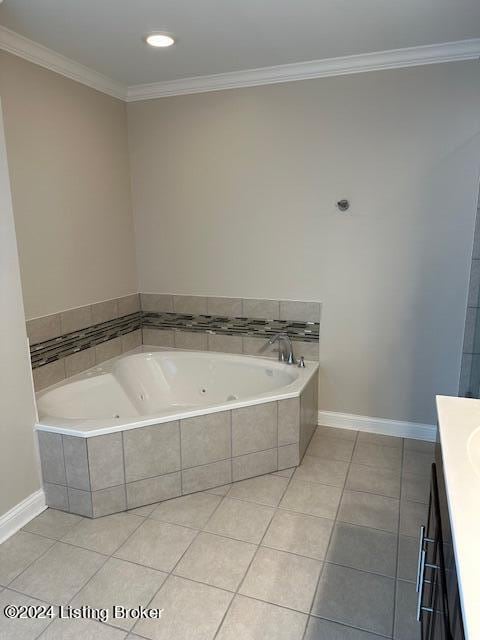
point(323, 552)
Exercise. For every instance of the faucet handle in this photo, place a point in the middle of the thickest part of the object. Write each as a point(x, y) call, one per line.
point(301, 362)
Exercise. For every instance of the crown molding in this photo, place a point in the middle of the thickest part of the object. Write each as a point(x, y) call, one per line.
point(38, 54)
point(376, 61)
point(393, 59)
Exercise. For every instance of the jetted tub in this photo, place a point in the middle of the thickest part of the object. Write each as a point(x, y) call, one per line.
point(156, 424)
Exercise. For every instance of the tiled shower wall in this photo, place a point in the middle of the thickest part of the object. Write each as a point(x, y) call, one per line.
point(470, 371)
point(72, 341)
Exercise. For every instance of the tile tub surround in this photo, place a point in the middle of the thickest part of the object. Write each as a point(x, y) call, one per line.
point(70, 342)
point(231, 325)
point(73, 320)
point(224, 561)
point(105, 474)
point(67, 343)
point(300, 311)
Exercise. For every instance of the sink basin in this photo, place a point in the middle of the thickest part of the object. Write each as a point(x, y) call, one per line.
point(459, 433)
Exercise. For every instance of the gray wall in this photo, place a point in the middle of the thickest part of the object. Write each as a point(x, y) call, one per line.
point(18, 461)
point(234, 193)
point(68, 159)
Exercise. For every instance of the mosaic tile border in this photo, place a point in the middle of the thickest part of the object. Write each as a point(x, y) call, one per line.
point(65, 345)
point(251, 327)
point(71, 341)
point(48, 351)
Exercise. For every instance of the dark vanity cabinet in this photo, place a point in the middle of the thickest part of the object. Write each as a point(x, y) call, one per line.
point(438, 603)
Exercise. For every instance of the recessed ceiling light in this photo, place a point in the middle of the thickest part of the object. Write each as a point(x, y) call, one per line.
point(159, 40)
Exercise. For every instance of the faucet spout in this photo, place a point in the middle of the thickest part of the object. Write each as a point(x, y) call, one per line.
point(285, 347)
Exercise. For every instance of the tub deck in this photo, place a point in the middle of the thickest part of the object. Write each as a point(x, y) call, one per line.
point(230, 417)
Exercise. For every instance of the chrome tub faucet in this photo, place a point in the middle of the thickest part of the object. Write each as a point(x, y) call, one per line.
point(285, 348)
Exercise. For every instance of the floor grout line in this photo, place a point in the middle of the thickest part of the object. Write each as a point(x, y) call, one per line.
point(107, 558)
point(240, 584)
point(315, 591)
point(398, 545)
point(222, 535)
point(380, 636)
point(275, 509)
point(75, 594)
point(170, 573)
point(55, 541)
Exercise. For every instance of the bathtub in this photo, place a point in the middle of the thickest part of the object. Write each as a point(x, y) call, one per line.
point(155, 424)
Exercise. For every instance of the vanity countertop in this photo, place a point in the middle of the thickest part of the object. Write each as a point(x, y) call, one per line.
point(459, 426)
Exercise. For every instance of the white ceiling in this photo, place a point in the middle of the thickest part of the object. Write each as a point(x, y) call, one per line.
point(219, 36)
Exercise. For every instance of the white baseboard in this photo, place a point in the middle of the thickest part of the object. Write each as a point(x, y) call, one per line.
point(378, 425)
point(21, 513)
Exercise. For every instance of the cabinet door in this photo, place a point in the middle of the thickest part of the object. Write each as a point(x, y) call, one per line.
point(456, 620)
point(432, 604)
point(427, 586)
point(438, 627)
point(451, 581)
point(438, 603)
